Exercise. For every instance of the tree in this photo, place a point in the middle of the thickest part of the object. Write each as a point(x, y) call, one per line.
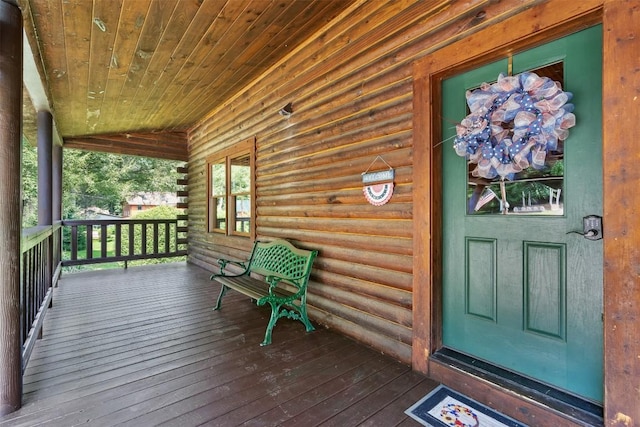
point(104, 180)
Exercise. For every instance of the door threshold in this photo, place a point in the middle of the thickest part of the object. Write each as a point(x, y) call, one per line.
point(559, 400)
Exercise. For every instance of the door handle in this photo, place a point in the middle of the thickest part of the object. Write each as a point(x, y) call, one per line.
point(591, 227)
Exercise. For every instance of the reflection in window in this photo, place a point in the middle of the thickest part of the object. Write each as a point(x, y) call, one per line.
point(241, 192)
point(530, 192)
point(230, 209)
point(218, 187)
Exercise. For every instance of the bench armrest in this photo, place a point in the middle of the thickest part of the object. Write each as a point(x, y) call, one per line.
point(274, 281)
point(223, 264)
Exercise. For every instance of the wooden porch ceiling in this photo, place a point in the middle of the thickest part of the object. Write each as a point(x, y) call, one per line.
point(131, 76)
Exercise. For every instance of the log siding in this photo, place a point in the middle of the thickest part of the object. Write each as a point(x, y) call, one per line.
point(351, 86)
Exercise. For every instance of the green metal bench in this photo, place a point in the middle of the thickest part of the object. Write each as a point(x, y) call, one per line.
point(284, 272)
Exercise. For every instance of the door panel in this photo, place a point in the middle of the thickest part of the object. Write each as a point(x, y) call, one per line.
point(518, 290)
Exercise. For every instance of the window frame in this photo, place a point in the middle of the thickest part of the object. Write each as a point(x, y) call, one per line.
point(225, 157)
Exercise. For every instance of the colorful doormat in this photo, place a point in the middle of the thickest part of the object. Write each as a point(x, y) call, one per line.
point(444, 407)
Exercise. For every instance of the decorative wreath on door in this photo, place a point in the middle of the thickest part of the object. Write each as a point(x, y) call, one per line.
point(513, 124)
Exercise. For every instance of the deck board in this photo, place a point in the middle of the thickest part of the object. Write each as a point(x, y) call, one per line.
point(143, 346)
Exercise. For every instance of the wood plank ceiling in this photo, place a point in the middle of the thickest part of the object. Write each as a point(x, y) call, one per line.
point(131, 76)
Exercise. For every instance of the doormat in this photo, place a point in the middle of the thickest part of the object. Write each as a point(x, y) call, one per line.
point(444, 407)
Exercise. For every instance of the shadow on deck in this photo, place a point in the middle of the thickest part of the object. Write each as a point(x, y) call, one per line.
point(143, 347)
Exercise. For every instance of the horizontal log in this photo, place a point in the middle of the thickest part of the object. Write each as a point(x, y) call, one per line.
point(398, 228)
point(343, 133)
point(369, 272)
point(391, 244)
point(390, 294)
point(336, 173)
point(388, 345)
point(338, 182)
point(384, 311)
point(339, 118)
point(363, 210)
point(377, 256)
point(401, 193)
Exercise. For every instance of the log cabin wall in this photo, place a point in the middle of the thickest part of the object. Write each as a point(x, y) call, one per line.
point(351, 90)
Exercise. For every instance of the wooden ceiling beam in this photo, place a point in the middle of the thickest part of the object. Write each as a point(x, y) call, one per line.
point(161, 145)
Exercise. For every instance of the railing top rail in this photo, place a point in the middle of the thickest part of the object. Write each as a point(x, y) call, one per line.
point(116, 221)
point(33, 235)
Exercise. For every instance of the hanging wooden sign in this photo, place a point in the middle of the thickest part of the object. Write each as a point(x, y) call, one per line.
point(378, 186)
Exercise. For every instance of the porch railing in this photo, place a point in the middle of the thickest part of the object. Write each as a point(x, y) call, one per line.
point(100, 241)
point(88, 242)
point(39, 271)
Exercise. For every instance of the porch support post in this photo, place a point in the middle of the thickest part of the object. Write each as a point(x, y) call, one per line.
point(56, 183)
point(45, 186)
point(10, 212)
point(621, 99)
point(45, 168)
point(56, 210)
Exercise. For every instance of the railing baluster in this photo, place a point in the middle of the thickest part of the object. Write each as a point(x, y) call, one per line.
point(132, 236)
point(118, 239)
point(103, 241)
point(89, 241)
point(167, 237)
point(155, 237)
point(74, 242)
point(143, 244)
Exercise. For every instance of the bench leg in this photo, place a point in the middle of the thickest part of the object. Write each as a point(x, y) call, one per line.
point(305, 320)
point(223, 290)
point(277, 312)
point(275, 315)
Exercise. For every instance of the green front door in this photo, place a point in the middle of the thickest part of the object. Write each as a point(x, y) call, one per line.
point(521, 290)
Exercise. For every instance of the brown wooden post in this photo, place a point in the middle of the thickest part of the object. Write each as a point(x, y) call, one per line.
point(45, 188)
point(10, 215)
point(56, 208)
point(45, 168)
point(621, 100)
point(56, 183)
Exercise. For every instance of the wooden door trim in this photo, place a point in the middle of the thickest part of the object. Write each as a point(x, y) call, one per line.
point(532, 27)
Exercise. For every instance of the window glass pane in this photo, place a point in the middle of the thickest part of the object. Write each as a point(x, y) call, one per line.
point(534, 191)
point(243, 214)
point(220, 214)
point(218, 179)
point(240, 174)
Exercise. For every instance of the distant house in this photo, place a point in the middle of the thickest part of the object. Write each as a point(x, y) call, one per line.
point(143, 201)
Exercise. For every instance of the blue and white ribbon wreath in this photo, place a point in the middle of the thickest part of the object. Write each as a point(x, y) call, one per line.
point(513, 124)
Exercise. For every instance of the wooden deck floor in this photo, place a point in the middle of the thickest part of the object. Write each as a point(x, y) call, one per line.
point(143, 347)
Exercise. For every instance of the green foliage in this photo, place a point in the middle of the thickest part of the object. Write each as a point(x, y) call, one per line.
point(29, 185)
point(95, 179)
point(160, 212)
point(104, 180)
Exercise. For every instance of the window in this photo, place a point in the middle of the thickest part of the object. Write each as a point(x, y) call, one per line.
point(533, 191)
point(230, 190)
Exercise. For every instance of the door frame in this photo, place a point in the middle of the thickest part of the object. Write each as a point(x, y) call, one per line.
point(621, 341)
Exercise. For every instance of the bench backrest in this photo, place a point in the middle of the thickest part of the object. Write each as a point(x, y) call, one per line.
point(280, 258)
